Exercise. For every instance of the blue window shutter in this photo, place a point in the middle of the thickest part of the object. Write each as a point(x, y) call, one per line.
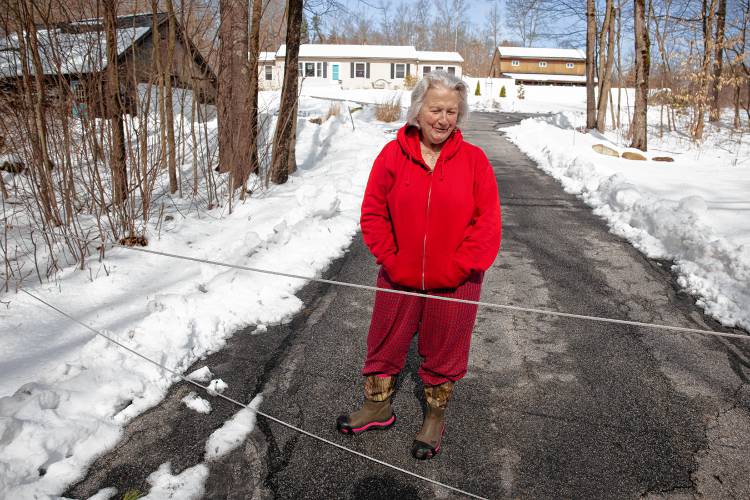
point(408, 69)
point(351, 70)
point(325, 70)
point(392, 70)
point(367, 74)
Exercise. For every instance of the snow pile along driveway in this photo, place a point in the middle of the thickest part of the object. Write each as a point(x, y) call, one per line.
point(72, 407)
point(693, 211)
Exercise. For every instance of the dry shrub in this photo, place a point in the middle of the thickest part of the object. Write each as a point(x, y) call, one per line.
point(333, 110)
point(410, 81)
point(389, 111)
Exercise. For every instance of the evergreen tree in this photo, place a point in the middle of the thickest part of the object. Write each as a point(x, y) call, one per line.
point(477, 91)
point(502, 91)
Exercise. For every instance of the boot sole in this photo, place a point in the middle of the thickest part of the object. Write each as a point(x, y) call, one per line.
point(371, 426)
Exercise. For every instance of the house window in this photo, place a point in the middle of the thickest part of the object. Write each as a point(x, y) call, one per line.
point(400, 70)
point(438, 68)
point(79, 91)
point(515, 63)
point(311, 69)
point(570, 65)
point(542, 64)
point(359, 70)
point(269, 72)
point(425, 70)
point(452, 70)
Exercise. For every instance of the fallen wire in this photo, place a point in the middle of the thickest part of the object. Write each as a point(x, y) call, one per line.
point(447, 299)
point(256, 411)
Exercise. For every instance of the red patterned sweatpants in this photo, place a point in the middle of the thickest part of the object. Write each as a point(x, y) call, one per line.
point(444, 331)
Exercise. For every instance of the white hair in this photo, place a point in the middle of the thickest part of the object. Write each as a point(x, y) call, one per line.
point(438, 79)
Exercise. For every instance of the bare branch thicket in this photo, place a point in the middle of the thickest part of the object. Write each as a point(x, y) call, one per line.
point(101, 131)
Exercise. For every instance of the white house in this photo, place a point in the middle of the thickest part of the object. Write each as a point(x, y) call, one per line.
point(359, 66)
point(268, 72)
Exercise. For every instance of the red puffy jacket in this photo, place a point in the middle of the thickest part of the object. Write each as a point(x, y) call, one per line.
point(431, 229)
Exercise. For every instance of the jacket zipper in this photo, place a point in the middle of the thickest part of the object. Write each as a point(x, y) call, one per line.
point(427, 225)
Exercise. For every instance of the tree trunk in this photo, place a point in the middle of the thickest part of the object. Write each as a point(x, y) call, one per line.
point(737, 92)
point(590, 49)
point(34, 100)
point(234, 94)
point(284, 136)
point(721, 14)
point(605, 65)
point(639, 127)
point(701, 97)
point(168, 100)
point(115, 107)
point(254, 54)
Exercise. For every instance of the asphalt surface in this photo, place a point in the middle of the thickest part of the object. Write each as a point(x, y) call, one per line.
point(551, 407)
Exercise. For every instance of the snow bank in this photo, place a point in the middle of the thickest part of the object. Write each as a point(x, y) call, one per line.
point(693, 211)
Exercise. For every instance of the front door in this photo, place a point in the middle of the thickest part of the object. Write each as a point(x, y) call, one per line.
point(335, 71)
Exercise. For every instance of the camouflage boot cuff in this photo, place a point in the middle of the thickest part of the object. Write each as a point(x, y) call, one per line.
point(437, 396)
point(379, 388)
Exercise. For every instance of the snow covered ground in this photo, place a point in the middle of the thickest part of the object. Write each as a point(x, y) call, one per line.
point(67, 393)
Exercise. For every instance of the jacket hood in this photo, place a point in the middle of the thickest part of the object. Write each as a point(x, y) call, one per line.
point(408, 139)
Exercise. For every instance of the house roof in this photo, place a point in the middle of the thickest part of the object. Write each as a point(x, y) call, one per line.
point(428, 56)
point(80, 47)
point(64, 52)
point(267, 56)
point(353, 51)
point(543, 53)
point(538, 77)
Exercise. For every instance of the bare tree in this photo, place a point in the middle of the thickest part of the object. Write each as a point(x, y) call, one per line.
point(493, 24)
point(115, 106)
point(639, 125)
point(716, 84)
point(234, 95)
point(283, 162)
point(526, 19)
point(606, 60)
point(590, 63)
point(254, 54)
point(708, 14)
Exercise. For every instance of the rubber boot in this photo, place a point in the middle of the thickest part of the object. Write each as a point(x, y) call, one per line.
point(427, 442)
point(376, 413)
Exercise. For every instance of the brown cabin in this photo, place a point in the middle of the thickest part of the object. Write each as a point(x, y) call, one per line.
point(74, 58)
point(540, 66)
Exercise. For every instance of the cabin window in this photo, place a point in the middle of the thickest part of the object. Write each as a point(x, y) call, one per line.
point(79, 91)
point(425, 70)
point(269, 72)
point(309, 69)
point(438, 68)
point(359, 70)
point(400, 70)
point(570, 65)
point(542, 64)
point(452, 70)
point(319, 69)
point(515, 63)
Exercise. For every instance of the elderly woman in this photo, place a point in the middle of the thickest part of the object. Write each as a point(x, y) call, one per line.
point(431, 218)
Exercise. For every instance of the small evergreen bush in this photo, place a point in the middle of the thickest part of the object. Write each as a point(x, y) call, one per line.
point(477, 91)
point(502, 91)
